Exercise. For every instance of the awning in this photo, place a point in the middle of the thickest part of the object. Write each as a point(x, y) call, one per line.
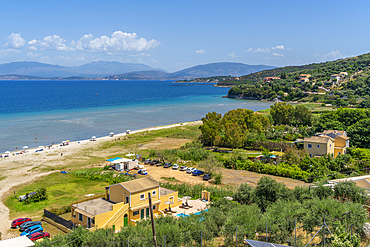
point(84, 213)
point(146, 205)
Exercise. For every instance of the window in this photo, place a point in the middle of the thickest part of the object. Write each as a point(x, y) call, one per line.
point(127, 199)
point(310, 155)
point(309, 145)
point(80, 217)
point(136, 212)
point(330, 145)
point(93, 221)
point(154, 193)
point(318, 145)
point(154, 207)
point(338, 153)
point(142, 196)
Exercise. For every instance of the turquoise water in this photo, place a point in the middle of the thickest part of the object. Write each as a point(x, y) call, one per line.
point(54, 111)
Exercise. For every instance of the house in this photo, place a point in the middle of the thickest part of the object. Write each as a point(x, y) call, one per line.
point(268, 79)
point(343, 74)
point(303, 80)
point(124, 164)
point(360, 181)
point(124, 203)
point(329, 142)
point(319, 146)
point(341, 141)
point(304, 76)
point(335, 78)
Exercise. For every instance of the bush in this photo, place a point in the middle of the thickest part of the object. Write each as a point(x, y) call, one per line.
point(100, 175)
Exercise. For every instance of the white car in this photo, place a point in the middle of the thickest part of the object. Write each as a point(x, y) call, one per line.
point(183, 168)
point(190, 170)
point(175, 167)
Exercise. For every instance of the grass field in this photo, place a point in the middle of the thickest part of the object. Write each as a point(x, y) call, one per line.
point(62, 190)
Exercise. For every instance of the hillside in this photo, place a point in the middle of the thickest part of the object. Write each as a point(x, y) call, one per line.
point(322, 83)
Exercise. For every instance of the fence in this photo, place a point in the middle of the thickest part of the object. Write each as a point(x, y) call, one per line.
point(59, 220)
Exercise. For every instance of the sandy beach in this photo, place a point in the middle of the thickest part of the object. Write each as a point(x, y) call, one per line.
point(24, 168)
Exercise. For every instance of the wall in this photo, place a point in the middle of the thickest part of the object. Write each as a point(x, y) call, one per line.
point(167, 197)
point(117, 193)
point(114, 217)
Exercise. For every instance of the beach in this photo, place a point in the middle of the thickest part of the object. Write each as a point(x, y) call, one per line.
point(24, 168)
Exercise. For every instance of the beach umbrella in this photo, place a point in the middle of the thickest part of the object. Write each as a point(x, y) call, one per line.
point(130, 155)
point(41, 146)
point(93, 137)
point(169, 204)
point(7, 152)
point(25, 147)
point(111, 133)
point(64, 141)
point(186, 198)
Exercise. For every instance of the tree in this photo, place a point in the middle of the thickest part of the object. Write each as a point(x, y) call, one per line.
point(282, 113)
point(210, 127)
point(360, 133)
point(342, 238)
point(211, 164)
point(294, 156)
point(267, 192)
point(348, 190)
point(243, 194)
point(302, 115)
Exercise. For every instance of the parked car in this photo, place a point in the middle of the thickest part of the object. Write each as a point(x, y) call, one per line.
point(147, 161)
point(18, 222)
point(197, 172)
point(138, 167)
point(190, 170)
point(167, 165)
point(32, 229)
point(27, 224)
point(159, 164)
point(175, 166)
point(183, 168)
point(154, 162)
point(207, 177)
point(143, 172)
point(38, 235)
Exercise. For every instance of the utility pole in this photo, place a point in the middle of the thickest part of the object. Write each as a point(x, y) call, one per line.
point(152, 219)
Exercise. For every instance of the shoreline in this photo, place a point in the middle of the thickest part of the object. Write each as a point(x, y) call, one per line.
point(19, 152)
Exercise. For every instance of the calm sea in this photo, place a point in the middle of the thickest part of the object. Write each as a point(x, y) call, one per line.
point(54, 111)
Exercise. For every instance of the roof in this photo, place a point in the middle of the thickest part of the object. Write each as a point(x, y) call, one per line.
point(22, 241)
point(336, 133)
point(140, 184)
point(255, 243)
point(304, 75)
point(335, 75)
point(94, 207)
point(318, 139)
point(165, 191)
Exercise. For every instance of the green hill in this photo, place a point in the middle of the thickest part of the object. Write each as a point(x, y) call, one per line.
point(319, 87)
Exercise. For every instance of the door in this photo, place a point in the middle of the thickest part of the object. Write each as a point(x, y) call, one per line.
point(88, 222)
point(142, 213)
point(125, 220)
point(147, 213)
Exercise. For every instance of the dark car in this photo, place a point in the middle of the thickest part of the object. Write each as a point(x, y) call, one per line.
point(27, 224)
point(159, 164)
point(38, 235)
point(167, 165)
point(197, 172)
point(207, 177)
point(18, 222)
point(154, 162)
point(148, 162)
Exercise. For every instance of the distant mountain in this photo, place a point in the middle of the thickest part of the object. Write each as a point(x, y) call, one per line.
point(120, 71)
point(220, 69)
point(93, 69)
point(206, 70)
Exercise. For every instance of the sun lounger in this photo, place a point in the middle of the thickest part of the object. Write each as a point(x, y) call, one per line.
point(186, 204)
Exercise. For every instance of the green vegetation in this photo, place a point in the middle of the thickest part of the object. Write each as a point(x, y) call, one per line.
point(212, 79)
point(98, 174)
point(352, 90)
point(269, 203)
point(63, 189)
point(40, 195)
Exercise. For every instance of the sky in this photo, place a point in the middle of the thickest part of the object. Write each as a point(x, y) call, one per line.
point(174, 35)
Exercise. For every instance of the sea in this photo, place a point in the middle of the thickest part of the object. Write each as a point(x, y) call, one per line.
point(38, 113)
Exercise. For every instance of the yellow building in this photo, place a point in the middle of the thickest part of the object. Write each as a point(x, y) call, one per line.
point(124, 203)
point(319, 146)
point(329, 142)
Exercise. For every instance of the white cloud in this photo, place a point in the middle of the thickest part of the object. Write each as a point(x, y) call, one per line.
point(232, 55)
point(153, 60)
point(9, 52)
point(268, 49)
point(200, 51)
point(142, 54)
point(33, 55)
point(118, 42)
point(278, 47)
point(33, 48)
point(53, 42)
point(15, 40)
point(332, 55)
point(278, 55)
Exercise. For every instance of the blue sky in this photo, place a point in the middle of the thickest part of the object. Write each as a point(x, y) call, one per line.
point(174, 35)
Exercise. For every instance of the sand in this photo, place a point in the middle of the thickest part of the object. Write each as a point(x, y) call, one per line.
point(21, 169)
